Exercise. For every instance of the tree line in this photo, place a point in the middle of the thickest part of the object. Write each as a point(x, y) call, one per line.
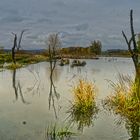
point(95, 48)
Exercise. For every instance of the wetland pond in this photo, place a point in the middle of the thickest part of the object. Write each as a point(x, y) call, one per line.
point(30, 102)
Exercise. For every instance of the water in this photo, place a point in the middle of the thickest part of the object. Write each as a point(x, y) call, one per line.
point(24, 99)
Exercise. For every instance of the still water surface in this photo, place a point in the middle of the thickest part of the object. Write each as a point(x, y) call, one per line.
point(27, 108)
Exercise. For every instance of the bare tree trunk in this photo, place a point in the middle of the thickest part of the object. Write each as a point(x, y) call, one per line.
point(53, 47)
point(133, 49)
point(13, 48)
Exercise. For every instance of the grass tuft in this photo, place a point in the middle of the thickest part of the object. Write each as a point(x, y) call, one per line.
point(123, 101)
point(55, 133)
point(84, 107)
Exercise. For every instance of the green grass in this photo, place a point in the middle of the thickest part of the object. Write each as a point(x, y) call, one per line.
point(55, 133)
point(21, 60)
point(5, 57)
point(30, 59)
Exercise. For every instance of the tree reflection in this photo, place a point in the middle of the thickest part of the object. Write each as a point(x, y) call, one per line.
point(133, 130)
point(17, 88)
point(35, 86)
point(53, 132)
point(54, 76)
point(53, 43)
point(53, 94)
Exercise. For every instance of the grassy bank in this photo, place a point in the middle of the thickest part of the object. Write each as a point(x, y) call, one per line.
point(22, 59)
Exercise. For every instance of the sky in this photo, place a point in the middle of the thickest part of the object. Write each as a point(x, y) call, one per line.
point(78, 22)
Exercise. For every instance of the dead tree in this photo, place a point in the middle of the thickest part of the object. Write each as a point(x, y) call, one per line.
point(53, 49)
point(134, 51)
point(132, 45)
point(20, 39)
point(54, 44)
point(16, 45)
point(13, 48)
point(17, 88)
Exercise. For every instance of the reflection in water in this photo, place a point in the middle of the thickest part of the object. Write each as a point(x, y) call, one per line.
point(84, 108)
point(133, 130)
point(55, 74)
point(133, 124)
point(53, 94)
point(94, 70)
point(126, 103)
point(39, 117)
point(56, 133)
point(78, 70)
point(17, 88)
point(35, 86)
point(82, 119)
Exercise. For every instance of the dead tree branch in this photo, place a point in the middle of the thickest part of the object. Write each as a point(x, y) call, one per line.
point(20, 39)
point(131, 43)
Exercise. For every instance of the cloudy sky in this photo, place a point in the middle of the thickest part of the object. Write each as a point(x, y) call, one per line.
point(77, 21)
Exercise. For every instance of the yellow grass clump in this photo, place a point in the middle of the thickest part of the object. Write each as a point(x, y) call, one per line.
point(84, 94)
point(84, 106)
point(123, 101)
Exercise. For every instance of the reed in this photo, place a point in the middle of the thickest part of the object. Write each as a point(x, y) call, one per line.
point(84, 107)
point(123, 101)
point(56, 133)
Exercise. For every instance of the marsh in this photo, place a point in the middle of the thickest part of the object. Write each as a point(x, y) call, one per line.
point(33, 105)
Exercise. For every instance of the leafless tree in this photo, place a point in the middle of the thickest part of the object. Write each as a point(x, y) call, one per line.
point(132, 45)
point(54, 44)
point(134, 51)
point(17, 88)
point(20, 39)
point(14, 47)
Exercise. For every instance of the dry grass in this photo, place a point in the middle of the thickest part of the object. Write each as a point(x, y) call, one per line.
point(14, 66)
point(123, 100)
point(84, 94)
point(84, 106)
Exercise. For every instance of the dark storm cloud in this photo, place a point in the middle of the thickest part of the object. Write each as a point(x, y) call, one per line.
point(78, 21)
